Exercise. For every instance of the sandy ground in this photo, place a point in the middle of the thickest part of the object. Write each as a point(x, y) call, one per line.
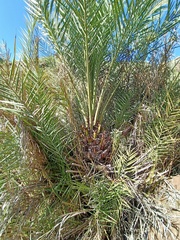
point(172, 203)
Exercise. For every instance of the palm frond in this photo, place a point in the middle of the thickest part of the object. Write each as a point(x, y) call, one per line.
point(86, 33)
point(26, 94)
point(18, 179)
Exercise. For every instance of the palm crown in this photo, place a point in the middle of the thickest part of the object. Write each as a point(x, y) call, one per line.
point(89, 36)
point(94, 124)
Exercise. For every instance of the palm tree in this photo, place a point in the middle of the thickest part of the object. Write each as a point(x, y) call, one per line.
point(94, 131)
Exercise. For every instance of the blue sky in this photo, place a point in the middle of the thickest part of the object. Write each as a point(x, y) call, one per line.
point(12, 20)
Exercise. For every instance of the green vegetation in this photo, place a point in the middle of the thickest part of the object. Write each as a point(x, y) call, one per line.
point(90, 133)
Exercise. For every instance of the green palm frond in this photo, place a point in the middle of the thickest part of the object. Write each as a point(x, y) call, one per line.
point(26, 94)
point(24, 185)
point(85, 33)
point(125, 108)
point(164, 135)
point(10, 157)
